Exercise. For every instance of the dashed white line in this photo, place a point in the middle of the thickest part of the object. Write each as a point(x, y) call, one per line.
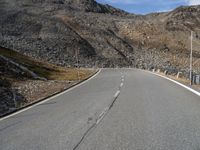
point(121, 84)
point(117, 94)
point(101, 116)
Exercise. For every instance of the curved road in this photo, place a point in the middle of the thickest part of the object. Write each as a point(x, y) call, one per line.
point(119, 109)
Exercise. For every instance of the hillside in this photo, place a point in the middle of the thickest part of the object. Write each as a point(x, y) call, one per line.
point(165, 38)
point(56, 30)
point(24, 80)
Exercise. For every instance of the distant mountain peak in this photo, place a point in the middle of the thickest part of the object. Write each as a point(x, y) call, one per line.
point(93, 6)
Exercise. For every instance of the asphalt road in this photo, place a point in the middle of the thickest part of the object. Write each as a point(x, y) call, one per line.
point(119, 109)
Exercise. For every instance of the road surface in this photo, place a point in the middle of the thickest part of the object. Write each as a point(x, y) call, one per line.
point(119, 109)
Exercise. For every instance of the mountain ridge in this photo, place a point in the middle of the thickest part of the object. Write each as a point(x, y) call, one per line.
point(56, 30)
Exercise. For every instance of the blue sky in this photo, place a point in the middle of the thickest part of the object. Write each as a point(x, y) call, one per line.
point(148, 6)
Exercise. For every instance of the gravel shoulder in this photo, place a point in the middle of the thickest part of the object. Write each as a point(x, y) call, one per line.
point(36, 90)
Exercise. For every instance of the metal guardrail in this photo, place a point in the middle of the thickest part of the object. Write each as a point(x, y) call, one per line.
point(196, 79)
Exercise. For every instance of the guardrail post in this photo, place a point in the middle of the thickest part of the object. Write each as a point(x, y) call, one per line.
point(179, 74)
point(166, 72)
point(198, 79)
point(194, 79)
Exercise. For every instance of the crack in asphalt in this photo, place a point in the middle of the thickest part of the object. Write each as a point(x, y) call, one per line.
point(101, 116)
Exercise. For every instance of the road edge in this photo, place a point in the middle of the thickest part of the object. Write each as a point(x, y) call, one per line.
point(174, 81)
point(48, 98)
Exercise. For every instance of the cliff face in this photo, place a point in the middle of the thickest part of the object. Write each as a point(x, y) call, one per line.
point(57, 30)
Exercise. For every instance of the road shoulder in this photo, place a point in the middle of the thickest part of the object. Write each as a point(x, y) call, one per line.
point(182, 84)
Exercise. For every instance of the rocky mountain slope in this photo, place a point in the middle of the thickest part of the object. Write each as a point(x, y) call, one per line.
point(57, 31)
point(165, 37)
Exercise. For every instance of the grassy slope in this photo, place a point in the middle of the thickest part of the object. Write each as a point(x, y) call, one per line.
point(49, 71)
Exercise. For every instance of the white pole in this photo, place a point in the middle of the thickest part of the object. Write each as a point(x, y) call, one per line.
point(191, 58)
point(77, 65)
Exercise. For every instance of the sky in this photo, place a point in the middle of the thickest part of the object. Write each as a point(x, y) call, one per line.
point(148, 6)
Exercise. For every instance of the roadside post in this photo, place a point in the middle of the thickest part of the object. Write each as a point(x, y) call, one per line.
point(191, 74)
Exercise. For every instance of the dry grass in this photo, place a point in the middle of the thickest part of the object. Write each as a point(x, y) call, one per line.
point(182, 80)
point(43, 69)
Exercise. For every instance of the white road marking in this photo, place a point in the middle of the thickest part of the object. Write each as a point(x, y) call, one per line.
point(121, 84)
point(103, 113)
point(122, 78)
point(186, 87)
point(117, 94)
point(101, 116)
point(48, 99)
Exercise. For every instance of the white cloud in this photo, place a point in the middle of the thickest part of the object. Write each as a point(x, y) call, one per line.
point(193, 2)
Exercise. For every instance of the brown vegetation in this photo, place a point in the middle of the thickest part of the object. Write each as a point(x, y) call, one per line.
point(18, 88)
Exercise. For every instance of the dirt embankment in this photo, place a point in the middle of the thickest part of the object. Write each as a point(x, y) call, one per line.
point(19, 87)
